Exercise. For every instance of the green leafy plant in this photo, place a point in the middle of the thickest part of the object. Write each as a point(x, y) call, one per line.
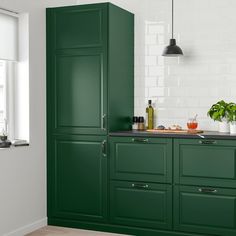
point(231, 112)
point(219, 111)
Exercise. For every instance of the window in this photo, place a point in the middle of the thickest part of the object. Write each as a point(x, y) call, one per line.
point(3, 111)
point(14, 75)
point(8, 54)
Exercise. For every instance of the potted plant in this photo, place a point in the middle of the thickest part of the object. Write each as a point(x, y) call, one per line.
point(231, 116)
point(218, 112)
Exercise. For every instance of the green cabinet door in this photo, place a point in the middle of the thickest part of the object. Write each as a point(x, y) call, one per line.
point(205, 162)
point(79, 92)
point(141, 159)
point(206, 210)
point(141, 204)
point(79, 26)
point(77, 178)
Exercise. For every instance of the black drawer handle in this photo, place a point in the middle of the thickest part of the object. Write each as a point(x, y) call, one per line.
point(208, 142)
point(207, 190)
point(142, 186)
point(140, 140)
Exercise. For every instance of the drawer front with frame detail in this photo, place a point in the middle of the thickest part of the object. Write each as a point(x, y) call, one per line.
point(206, 210)
point(205, 162)
point(141, 204)
point(141, 159)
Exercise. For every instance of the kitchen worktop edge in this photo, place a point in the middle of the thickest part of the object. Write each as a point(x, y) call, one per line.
point(205, 134)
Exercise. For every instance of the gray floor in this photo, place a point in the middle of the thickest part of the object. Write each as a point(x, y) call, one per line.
point(60, 231)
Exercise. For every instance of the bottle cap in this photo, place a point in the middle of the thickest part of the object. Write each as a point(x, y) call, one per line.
point(135, 119)
point(149, 102)
point(141, 119)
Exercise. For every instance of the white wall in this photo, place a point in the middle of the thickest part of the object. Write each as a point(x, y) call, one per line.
point(180, 88)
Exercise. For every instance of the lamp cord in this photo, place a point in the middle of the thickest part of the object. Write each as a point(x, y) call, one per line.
point(172, 19)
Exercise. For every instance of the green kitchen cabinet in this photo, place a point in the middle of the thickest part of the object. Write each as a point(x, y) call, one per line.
point(90, 69)
point(77, 177)
point(141, 204)
point(141, 159)
point(205, 210)
point(90, 92)
point(205, 162)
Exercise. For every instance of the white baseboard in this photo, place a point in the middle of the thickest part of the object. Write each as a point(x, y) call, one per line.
point(28, 228)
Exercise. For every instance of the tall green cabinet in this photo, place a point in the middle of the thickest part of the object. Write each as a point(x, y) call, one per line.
point(90, 61)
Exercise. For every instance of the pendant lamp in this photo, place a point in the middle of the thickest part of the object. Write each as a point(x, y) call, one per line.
point(172, 50)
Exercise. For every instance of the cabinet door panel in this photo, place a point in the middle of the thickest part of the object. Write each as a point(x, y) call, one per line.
point(205, 162)
point(82, 26)
point(78, 171)
point(205, 210)
point(80, 97)
point(141, 159)
point(141, 204)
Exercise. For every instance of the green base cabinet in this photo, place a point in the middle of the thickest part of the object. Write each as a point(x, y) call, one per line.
point(140, 182)
point(77, 178)
point(205, 186)
point(210, 211)
point(141, 204)
point(130, 188)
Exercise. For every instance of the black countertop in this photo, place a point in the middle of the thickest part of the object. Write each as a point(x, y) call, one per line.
point(205, 134)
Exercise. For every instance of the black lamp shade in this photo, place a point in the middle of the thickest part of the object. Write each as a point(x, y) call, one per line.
point(172, 50)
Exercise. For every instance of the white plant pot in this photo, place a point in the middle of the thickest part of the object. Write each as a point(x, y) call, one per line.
point(233, 127)
point(224, 127)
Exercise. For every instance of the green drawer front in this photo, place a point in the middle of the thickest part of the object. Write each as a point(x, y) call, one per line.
point(141, 159)
point(141, 204)
point(205, 162)
point(205, 210)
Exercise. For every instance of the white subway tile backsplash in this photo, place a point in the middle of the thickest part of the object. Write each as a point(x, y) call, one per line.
point(182, 87)
point(157, 92)
point(156, 70)
point(150, 39)
point(160, 60)
point(161, 39)
point(177, 92)
point(155, 29)
point(155, 50)
point(150, 82)
point(219, 68)
point(151, 60)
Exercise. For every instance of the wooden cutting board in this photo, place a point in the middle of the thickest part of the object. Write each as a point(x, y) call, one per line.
point(182, 131)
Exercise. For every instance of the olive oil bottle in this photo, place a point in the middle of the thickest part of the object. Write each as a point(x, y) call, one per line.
point(150, 115)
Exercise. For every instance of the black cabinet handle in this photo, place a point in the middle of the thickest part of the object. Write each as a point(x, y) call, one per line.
point(207, 190)
point(208, 142)
point(142, 186)
point(104, 148)
point(140, 140)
